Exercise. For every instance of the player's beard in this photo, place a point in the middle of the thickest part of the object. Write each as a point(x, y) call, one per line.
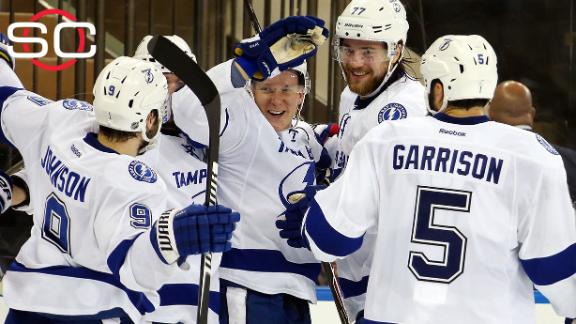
point(365, 86)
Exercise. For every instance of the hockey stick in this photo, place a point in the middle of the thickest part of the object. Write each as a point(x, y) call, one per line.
point(252, 14)
point(328, 268)
point(192, 75)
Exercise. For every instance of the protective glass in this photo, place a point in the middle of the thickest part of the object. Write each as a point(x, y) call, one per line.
point(345, 54)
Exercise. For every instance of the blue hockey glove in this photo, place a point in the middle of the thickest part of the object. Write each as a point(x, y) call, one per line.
point(5, 192)
point(4, 52)
point(283, 45)
point(290, 223)
point(193, 230)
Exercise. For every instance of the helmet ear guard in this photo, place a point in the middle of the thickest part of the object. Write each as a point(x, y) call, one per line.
point(465, 65)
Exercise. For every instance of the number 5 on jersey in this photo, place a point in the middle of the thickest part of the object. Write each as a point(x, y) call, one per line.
point(426, 231)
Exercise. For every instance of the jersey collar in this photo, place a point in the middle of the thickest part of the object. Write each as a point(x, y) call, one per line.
point(92, 140)
point(461, 121)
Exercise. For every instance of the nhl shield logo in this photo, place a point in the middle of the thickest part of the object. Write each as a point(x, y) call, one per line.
point(392, 111)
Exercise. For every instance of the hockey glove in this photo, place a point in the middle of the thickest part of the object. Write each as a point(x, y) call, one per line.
point(291, 224)
point(193, 230)
point(325, 131)
point(5, 43)
point(5, 192)
point(283, 45)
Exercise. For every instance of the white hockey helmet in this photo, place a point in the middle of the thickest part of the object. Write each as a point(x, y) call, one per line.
point(373, 20)
point(126, 91)
point(302, 69)
point(143, 54)
point(466, 66)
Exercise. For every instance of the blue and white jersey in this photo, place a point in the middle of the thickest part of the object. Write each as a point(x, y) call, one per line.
point(89, 252)
point(469, 214)
point(257, 171)
point(403, 98)
point(185, 175)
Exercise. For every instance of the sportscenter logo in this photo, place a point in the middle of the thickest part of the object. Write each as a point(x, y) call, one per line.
point(25, 40)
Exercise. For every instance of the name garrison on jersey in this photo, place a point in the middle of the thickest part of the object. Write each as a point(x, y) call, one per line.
point(62, 178)
point(443, 159)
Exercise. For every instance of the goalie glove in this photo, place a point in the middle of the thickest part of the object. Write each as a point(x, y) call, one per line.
point(290, 223)
point(193, 230)
point(5, 192)
point(5, 43)
point(283, 45)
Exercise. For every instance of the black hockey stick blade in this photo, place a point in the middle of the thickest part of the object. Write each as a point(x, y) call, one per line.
point(175, 60)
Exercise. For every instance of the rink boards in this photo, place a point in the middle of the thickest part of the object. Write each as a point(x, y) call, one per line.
point(325, 311)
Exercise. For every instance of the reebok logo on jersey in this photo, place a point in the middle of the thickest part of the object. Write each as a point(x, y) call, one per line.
point(392, 111)
point(451, 132)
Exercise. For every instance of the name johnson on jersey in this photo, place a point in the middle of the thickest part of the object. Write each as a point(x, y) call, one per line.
point(62, 178)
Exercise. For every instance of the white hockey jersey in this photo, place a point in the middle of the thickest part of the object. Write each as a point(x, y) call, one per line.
point(177, 164)
point(257, 170)
point(402, 98)
point(89, 252)
point(468, 213)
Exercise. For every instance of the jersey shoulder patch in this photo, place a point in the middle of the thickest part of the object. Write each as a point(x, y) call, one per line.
point(73, 104)
point(392, 111)
point(141, 172)
point(546, 145)
point(40, 101)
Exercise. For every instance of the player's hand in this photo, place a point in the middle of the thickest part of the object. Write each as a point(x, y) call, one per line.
point(5, 192)
point(324, 131)
point(284, 44)
point(193, 230)
point(290, 223)
point(4, 52)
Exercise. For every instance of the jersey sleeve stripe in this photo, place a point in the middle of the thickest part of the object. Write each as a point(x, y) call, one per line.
point(327, 238)
point(551, 269)
point(118, 256)
point(138, 299)
point(352, 288)
point(186, 294)
point(267, 261)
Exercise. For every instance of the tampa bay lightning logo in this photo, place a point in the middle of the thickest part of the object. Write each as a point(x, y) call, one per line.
point(546, 145)
point(392, 111)
point(72, 104)
point(148, 75)
point(446, 44)
point(141, 172)
point(297, 180)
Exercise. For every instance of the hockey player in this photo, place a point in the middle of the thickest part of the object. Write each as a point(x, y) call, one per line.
point(264, 280)
point(369, 44)
point(99, 248)
point(463, 207)
point(177, 161)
